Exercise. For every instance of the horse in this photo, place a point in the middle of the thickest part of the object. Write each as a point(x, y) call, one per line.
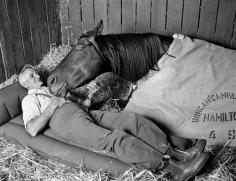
point(129, 55)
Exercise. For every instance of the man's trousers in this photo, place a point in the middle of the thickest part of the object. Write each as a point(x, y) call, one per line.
point(126, 136)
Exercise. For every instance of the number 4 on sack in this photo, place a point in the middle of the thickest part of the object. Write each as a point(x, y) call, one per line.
point(212, 135)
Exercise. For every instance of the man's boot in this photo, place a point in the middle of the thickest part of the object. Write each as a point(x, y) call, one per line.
point(183, 171)
point(189, 153)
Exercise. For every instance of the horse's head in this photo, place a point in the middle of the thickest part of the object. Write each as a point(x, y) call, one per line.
point(82, 64)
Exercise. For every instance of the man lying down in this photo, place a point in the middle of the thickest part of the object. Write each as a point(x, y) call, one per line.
point(126, 136)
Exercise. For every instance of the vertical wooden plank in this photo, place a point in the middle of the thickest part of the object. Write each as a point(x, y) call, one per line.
point(25, 31)
point(65, 29)
point(5, 42)
point(51, 6)
point(34, 28)
point(207, 22)
point(233, 40)
point(174, 16)
point(43, 26)
point(190, 17)
point(114, 16)
point(87, 14)
point(58, 24)
point(158, 16)
point(100, 7)
point(75, 20)
point(128, 16)
point(2, 71)
point(16, 33)
point(225, 22)
point(143, 16)
point(7, 66)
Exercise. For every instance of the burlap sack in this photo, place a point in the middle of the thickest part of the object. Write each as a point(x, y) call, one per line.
point(193, 94)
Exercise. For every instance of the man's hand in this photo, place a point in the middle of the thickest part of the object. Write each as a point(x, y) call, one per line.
point(92, 88)
point(37, 124)
point(58, 101)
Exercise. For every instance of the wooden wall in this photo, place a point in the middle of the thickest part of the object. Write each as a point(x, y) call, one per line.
point(212, 20)
point(27, 29)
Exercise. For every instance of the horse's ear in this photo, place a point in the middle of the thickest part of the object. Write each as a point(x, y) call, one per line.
point(93, 33)
point(99, 28)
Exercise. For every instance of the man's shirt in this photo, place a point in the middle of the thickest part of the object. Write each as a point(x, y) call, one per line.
point(35, 104)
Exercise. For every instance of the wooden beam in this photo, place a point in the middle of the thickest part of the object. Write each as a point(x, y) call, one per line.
point(143, 16)
point(6, 42)
point(87, 14)
point(64, 18)
point(15, 29)
point(101, 11)
point(34, 29)
point(25, 31)
point(128, 16)
point(174, 16)
point(225, 22)
point(158, 16)
point(74, 7)
point(207, 22)
point(114, 16)
point(190, 17)
point(43, 26)
point(2, 66)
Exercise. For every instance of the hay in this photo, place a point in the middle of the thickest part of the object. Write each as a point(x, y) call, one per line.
point(21, 163)
point(14, 78)
point(53, 57)
point(18, 162)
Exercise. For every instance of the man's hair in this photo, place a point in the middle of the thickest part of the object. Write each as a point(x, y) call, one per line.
point(20, 76)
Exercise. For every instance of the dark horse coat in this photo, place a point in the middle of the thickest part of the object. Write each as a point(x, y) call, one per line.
point(130, 56)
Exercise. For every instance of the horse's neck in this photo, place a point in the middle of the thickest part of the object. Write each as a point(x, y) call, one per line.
point(166, 42)
point(127, 64)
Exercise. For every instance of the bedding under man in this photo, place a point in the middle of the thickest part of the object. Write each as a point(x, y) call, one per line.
point(126, 136)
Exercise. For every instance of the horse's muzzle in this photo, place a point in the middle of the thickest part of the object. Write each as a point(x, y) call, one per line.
point(51, 80)
point(59, 90)
point(55, 88)
point(62, 90)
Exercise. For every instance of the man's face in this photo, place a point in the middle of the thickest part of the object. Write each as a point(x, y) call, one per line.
point(32, 79)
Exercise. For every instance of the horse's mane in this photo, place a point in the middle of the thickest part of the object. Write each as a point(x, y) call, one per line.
point(130, 55)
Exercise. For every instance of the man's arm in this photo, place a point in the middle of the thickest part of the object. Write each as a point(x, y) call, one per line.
point(92, 89)
point(35, 125)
